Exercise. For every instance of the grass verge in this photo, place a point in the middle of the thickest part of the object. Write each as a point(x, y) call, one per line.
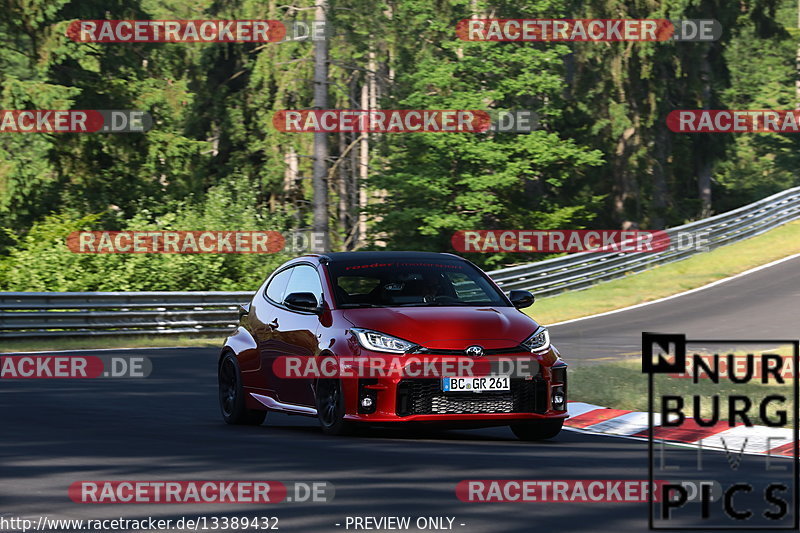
point(625, 387)
point(671, 279)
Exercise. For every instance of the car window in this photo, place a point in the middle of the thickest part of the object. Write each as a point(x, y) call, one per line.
point(411, 282)
point(466, 288)
point(304, 279)
point(357, 285)
point(277, 287)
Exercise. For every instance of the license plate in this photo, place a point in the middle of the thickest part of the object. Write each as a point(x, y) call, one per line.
point(476, 384)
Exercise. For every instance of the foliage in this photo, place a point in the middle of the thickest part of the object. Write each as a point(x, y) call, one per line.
point(602, 157)
point(40, 261)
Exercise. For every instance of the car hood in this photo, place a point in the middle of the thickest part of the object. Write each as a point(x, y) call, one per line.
point(449, 328)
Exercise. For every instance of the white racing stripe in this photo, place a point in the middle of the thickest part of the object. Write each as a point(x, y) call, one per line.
point(627, 424)
point(578, 408)
point(755, 439)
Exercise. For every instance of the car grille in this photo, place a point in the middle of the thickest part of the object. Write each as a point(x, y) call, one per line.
point(442, 405)
point(425, 397)
point(488, 351)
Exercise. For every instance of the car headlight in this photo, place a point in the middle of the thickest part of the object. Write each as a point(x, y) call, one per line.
point(539, 341)
point(381, 342)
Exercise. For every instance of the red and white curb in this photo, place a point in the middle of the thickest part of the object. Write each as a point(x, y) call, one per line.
point(755, 440)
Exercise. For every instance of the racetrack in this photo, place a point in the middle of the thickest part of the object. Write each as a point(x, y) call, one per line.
point(168, 427)
point(759, 305)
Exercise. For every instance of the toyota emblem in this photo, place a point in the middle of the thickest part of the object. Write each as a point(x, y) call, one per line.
point(474, 351)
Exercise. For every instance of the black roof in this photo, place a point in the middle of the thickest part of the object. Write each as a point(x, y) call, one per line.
point(381, 255)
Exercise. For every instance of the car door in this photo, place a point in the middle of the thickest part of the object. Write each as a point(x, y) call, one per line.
point(295, 334)
point(261, 319)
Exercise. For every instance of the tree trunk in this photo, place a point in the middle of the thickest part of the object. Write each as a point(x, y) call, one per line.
point(363, 172)
point(290, 173)
point(625, 185)
point(320, 174)
point(797, 65)
point(703, 157)
point(343, 208)
point(661, 198)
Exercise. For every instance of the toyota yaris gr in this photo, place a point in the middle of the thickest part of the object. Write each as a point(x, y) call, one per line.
point(386, 337)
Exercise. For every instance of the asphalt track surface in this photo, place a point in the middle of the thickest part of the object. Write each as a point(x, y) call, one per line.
point(760, 305)
point(167, 427)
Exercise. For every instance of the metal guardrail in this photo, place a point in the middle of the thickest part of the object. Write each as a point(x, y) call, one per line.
point(71, 314)
point(582, 270)
point(52, 314)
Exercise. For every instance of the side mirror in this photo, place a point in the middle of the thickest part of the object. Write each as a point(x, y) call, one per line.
point(302, 301)
point(244, 310)
point(521, 299)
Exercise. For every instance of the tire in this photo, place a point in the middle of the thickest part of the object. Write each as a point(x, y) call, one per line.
point(331, 408)
point(537, 429)
point(231, 395)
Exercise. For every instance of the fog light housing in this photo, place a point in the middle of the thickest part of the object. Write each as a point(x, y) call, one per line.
point(558, 398)
point(367, 398)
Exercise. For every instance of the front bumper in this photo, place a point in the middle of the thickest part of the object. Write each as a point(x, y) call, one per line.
point(403, 399)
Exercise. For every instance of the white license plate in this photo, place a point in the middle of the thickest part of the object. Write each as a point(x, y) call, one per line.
point(476, 384)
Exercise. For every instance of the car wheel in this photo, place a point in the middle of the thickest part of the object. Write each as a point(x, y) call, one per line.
point(331, 409)
point(231, 395)
point(537, 429)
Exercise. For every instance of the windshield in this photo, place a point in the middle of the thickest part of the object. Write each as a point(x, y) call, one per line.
point(407, 283)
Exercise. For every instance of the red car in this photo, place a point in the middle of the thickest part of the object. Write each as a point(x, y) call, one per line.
point(337, 336)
